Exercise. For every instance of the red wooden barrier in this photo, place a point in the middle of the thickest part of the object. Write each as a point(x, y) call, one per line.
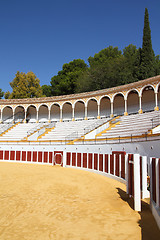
point(29, 156)
point(154, 179)
point(34, 156)
point(85, 160)
point(78, 159)
point(39, 156)
point(95, 161)
point(12, 155)
point(6, 155)
point(23, 155)
point(45, 160)
point(1, 155)
point(68, 161)
point(131, 174)
point(18, 155)
point(101, 162)
point(90, 160)
point(50, 157)
point(159, 180)
point(112, 164)
point(106, 163)
point(74, 159)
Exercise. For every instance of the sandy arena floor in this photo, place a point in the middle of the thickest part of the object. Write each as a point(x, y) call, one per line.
point(44, 202)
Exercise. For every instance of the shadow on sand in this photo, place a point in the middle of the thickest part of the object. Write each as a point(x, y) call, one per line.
point(149, 228)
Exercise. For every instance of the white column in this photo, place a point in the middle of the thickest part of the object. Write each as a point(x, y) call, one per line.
point(125, 108)
point(49, 115)
point(156, 102)
point(13, 115)
point(86, 113)
point(137, 188)
point(61, 114)
point(111, 115)
point(25, 115)
point(98, 117)
point(140, 104)
point(73, 114)
point(37, 115)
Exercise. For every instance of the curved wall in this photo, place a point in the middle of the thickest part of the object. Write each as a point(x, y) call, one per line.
point(131, 98)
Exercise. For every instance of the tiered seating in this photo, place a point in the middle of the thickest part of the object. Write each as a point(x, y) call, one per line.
point(19, 131)
point(71, 130)
point(133, 125)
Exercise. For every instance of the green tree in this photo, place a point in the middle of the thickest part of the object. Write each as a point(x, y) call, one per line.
point(147, 67)
point(25, 86)
point(1, 93)
point(65, 81)
point(7, 94)
point(47, 90)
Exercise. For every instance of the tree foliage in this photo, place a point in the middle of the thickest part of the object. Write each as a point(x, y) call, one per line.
point(65, 81)
point(47, 90)
point(1, 93)
point(25, 85)
point(147, 68)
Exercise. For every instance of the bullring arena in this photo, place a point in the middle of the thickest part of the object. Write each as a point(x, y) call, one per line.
point(52, 149)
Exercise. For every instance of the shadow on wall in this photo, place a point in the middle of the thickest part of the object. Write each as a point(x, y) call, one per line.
point(149, 228)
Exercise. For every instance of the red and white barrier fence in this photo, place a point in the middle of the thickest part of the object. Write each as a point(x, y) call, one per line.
point(112, 164)
point(131, 169)
point(41, 157)
point(155, 188)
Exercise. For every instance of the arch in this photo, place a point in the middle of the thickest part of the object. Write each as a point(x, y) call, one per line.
point(31, 115)
point(67, 111)
point(118, 104)
point(68, 102)
point(158, 95)
point(7, 114)
point(146, 86)
point(132, 102)
point(118, 93)
point(43, 113)
point(92, 108)
point(79, 110)
point(105, 106)
point(148, 98)
point(55, 112)
point(19, 113)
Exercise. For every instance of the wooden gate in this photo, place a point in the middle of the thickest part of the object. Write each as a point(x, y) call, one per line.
point(58, 158)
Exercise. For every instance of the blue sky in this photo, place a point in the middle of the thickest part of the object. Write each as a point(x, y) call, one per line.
point(42, 35)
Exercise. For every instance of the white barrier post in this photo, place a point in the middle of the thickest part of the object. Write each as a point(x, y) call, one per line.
point(145, 192)
point(126, 173)
point(137, 188)
point(64, 158)
point(157, 184)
